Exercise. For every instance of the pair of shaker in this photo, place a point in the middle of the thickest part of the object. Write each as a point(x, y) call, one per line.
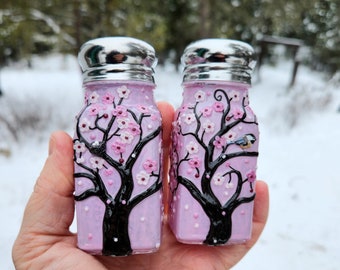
point(118, 148)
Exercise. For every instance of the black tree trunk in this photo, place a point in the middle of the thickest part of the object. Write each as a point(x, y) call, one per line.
point(116, 241)
point(220, 228)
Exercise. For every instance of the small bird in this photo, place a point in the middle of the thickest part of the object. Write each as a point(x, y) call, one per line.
point(246, 141)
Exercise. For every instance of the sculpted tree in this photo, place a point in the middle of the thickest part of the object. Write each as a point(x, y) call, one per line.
point(213, 161)
point(116, 166)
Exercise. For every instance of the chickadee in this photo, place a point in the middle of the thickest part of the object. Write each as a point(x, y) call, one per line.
point(246, 141)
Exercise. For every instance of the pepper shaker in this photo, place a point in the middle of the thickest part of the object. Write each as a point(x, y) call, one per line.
point(215, 145)
point(117, 149)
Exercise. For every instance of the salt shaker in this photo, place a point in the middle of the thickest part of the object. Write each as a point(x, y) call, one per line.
point(117, 149)
point(215, 146)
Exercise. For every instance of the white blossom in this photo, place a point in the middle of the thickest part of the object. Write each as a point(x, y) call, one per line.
point(192, 147)
point(97, 162)
point(218, 179)
point(143, 178)
point(123, 91)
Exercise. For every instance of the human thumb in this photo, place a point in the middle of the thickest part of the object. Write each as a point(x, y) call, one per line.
point(50, 207)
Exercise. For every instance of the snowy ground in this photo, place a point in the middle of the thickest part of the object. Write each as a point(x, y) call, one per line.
point(300, 137)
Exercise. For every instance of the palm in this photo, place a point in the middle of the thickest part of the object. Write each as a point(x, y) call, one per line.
point(174, 255)
point(45, 241)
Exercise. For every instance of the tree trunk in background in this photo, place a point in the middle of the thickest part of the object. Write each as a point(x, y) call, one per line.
point(77, 24)
point(205, 19)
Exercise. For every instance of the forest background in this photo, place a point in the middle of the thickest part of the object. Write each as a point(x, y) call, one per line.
point(41, 27)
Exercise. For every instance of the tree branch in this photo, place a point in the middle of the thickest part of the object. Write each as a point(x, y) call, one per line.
point(141, 196)
point(140, 145)
point(194, 191)
point(87, 194)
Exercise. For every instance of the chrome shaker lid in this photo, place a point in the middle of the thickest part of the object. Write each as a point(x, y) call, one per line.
point(117, 58)
point(218, 59)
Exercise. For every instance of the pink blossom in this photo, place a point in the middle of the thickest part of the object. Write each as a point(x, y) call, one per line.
point(150, 165)
point(108, 98)
point(120, 111)
point(108, 172)
point(94, 109)
point(154, 117)
point(195, 162)
point(251, 176)
point(219, 142)
point(142, 108)
point(237, 113)
point(218, 106)
point(207, 111)
point(118, 147)
point(134, 128)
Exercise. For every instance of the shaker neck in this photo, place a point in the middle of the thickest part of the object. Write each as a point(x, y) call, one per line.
point(113, 84)
point(216, 72)
point(213, 91)
point(210, 84)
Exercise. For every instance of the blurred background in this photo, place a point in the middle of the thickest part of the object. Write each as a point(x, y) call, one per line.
point(41, 27)
point(295, 94)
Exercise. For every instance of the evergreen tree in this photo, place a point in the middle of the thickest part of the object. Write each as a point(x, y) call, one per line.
point(28, 27)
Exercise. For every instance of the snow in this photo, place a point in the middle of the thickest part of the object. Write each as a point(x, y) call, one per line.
point(298, 154)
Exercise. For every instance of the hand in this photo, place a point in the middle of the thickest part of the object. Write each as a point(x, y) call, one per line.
point(45, 241)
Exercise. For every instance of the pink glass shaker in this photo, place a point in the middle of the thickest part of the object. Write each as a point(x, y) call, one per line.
point(215, 146)
point(117, 150)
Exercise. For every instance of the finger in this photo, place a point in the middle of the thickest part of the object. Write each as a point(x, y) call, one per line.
point(261, 210)
point(167, 112)
point(50, 208)
point(261, 207)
